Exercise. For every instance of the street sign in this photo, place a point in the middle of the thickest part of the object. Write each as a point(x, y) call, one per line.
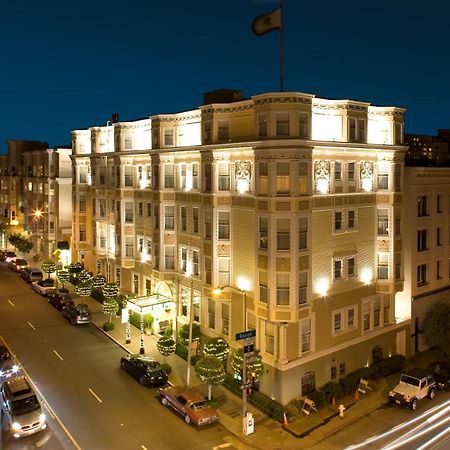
point(245, 335)
point(248, 349)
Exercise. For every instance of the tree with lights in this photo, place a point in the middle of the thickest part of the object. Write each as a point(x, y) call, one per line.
point(110, 290)
point(218, 347)
point(110, 307)
point(84, 276)
point(210, 370)
point(48, 267)
point(63, 276)
point(166, 346)
point(183, 334)
point(98, 282)
point(83, 289)
point(254, 365)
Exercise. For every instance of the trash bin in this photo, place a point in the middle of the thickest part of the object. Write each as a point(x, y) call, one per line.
point(248, 424)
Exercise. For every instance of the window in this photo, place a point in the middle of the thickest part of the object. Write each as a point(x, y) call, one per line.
point(438, 270)
point(351, 316)
point(129, 247)
point(357, 130)
point(438, 204)
point(224, 271)
point(208, 270)
point(306, 335)
point(183, 259)
point(338, 226)
point(338, 269)
point(270, 338)
point(207, 132)
point(128, 174)
point(263, 290)
point(140, 244)
point(224, 225)
point(351, 219)
point(195, 218)
point(183, 218)
point(102, 207)
point(308, 383)
point(263, 233)
point(383, 266)
point(383, 222)
point(140, 209)
point(337, 171)
point(283, 178)
point(263, 178)
point(351, 171)
point(169, 217)
point(82, 232)
point(366, 316)
point(148, 247)
point(422, 206)
point(195, 262)
point(302, 288)
point(283, 234)
point(156, 217)
point(361, 130)
point(282, 124)
point(283, 289)
point(438, 236)
point(149, 209)
point(82, 204)
point(383, 181)
point(208, 224)
point(169, 252)
point(223, 133)
point(169, 178)
point(169, 137)
point(333, 372)
point(341, 369)
point(195, 176)
point(207, 177)
point(376, 312)
point(262, 125)
point(303, 178)
point(421, 240)
point(352, 130)
point(303, 128)
point(421, 275)
point(350, 267)
point(302, 233)
point(225, 319)
point(82, 170)
point(128, 212)
point(224, 177)
point(211, 314)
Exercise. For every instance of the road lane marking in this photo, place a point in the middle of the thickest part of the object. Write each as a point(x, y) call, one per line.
point(95, 395)
point(74, 442)
point(32, 326)
point(58, 355)
point(11, 303)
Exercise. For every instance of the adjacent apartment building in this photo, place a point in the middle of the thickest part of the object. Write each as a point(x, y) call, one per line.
point(290, 203)
point(35, 194)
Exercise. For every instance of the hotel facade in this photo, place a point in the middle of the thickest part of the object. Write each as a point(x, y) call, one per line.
point(291, 204)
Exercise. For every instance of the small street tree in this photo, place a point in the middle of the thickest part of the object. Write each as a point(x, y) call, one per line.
point(20, 243)
point(63, 277)
point(83, 289)
point(110, 307)
point(110, 290)
point(218, 347)
point(48, 267)
point(84, 276)
point(183, 334)
point(166, 346)
point(254, 365)
point(98, 282)
point(436, 327)
point(210, 370)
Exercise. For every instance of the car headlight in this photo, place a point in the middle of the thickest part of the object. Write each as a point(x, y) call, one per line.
point(407, 398)
point(391, 393)
point(15, 368)
point(42, 417)
point(16, 426)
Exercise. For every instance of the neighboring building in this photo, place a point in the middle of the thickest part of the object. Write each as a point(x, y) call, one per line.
point(292, 201)
point(36, 193)
point(427, 244)
point(424, 150)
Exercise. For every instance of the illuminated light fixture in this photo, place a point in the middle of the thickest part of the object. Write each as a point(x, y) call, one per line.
point(217, 291)
point(144, 257)
point(143, 183)
point(14, 222)
point(367, 184)
point(322, 185)
point(243, 284)
point(366, 276)
point(242, 185)
point(322, 287)
point(188, 186)
point(37, 213)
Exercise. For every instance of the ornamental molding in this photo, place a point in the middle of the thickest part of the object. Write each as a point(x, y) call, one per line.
point(340, 107)
point(399, 114)
point(283, 100)
point(321, 171)
point(243, 172)
point(222, 109)
point(177, 119)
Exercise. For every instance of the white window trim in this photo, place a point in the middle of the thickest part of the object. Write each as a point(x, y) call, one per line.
point(345, 328)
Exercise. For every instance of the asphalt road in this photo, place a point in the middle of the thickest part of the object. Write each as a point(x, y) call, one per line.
point(76, 369)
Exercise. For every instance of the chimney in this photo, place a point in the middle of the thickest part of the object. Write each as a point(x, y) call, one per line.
point(115, 117)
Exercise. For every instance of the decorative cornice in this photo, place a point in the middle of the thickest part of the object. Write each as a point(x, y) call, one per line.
point(223, 109)
point(341, 106)
point(282, 100)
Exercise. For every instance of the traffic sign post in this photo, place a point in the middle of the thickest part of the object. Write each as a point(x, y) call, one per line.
point(245, 335)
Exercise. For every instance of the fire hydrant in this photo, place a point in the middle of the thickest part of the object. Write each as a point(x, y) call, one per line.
point(341, 411)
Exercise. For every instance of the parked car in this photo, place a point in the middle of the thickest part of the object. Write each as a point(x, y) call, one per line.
point(191, 405)
point(414, 385)
point(17, 264)
point(9, 256)
point(77, 314)
point(146, 370)
point(441, 373)
point(8, 365)
point(43, 287)
point(30, 274)
point(21, 407)
point(60, 300)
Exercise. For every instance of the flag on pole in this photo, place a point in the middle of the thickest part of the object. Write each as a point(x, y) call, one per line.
point(267, 22)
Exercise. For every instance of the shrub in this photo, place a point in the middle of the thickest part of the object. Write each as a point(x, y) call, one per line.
point(108, 326)
point(350, 382)
point(332, 390)
point(167, 368)
point(317, 397)
point(291, 411)
point(389, 365)
point(135, 320)
point(97, 294)
point(181, 350)
point(270, 407)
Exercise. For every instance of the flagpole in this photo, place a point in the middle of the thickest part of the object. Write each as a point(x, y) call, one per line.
point(281, 49)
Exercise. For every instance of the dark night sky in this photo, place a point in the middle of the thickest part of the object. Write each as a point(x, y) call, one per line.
point(69, 65)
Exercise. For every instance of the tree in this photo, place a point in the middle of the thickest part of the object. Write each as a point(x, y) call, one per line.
point(84, 276)
point(183, 334)
point(83, 289)
point(218, 347)
point(436, 328)
point(165, 346)
point(98, 282)
point(110, 307)
point(22, 244)
point(210, 370)
point(254, 365)
point(48, 267)
point(110, 290)
point(63, 276)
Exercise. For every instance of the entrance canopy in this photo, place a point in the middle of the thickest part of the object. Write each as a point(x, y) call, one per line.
point(149, 303)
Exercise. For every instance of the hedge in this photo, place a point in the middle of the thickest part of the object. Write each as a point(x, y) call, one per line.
point(97, 294)
point(107, 326)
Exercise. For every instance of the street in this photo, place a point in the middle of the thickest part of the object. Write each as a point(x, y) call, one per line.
point(76, 370)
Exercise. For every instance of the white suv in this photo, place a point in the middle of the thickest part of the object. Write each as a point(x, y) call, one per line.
point(414, 385)
point(21, 407)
